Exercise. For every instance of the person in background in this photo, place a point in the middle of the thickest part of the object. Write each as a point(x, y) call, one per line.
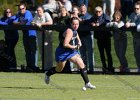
point(11, 36)
point(120, 40)
point(103, 37)
point(86, 37)
point(109, 7)
point(75, 12)
point(79, 2)
point(66, 3)
point(52, 7)
point(133, 21)
point(43, 19)
point(30, 5)
point(24, 17)
point(64, 17)
point(68, 51)
point(126, 8)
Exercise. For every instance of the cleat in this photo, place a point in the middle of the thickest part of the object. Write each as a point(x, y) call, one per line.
point(89, 85)
point(47, 78)
point(138, 70)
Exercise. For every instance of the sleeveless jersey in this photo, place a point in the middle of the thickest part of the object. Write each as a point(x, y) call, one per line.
point(73, 41)
point(63, 54)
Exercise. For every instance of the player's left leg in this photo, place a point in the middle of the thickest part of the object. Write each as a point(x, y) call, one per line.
point(79, 62)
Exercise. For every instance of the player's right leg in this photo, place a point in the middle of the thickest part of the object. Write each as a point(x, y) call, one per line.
point(53, 70)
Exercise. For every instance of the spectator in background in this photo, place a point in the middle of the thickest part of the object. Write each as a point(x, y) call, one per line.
point(66, 3)
point(126, 8)
point(11, 36)
point(133, 21)
point(79, 2)
point(103, 37)
point(134, 1)
point(52, 7)
point(64, 17)
point(43, 19)
point(109, 7)
point(30, 5)
point(120, 40)
point(75, 12)
point(24, 17)
point(86, 37)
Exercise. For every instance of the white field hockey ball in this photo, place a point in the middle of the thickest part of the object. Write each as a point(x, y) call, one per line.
point(84, 88)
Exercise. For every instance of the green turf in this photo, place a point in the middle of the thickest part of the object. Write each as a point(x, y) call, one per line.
point(31, 86)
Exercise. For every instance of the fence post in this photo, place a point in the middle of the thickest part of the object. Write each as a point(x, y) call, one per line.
point(47, 50)
point(43, 38)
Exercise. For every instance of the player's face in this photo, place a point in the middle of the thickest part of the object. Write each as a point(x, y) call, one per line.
point(75, 24)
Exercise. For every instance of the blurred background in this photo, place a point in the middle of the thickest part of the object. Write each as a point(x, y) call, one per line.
point(92, 3)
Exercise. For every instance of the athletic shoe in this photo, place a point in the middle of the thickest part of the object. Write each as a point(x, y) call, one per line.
point(124, 69)
point(89, 85)
point(138, 70)
point(47, 78)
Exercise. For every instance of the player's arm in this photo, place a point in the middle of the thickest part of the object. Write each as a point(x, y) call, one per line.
point(79, 41)
point(68, 37)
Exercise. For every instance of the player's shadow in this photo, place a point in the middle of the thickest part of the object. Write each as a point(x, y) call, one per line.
point(43, 88)
point(23, 88)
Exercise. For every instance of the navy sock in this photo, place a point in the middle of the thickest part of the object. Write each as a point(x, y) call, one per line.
point(84, 75)
point(51, 71)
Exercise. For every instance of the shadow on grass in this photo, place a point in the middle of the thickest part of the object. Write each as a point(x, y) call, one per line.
point(24, 88)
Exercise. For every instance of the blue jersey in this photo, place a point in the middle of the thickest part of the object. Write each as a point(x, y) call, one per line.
point(73, 40)
point(63, 54)
point(9, 34)
point(26, 19)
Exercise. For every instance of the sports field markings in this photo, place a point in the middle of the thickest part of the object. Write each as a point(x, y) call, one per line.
point(133, 98)
point(126, 83)
point(21, 98)
point(52, 83)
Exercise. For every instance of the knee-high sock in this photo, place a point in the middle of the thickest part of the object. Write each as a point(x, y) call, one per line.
point(84, 75)
point(51, 71)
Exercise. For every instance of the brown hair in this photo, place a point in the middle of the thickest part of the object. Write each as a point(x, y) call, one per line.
point(5, 11)
point(73, 18)
point(22, 4)
point(76, 8)
point(65, 9)
point(117, 13)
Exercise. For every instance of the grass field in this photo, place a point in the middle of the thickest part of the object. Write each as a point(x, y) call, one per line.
point(31, 86)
